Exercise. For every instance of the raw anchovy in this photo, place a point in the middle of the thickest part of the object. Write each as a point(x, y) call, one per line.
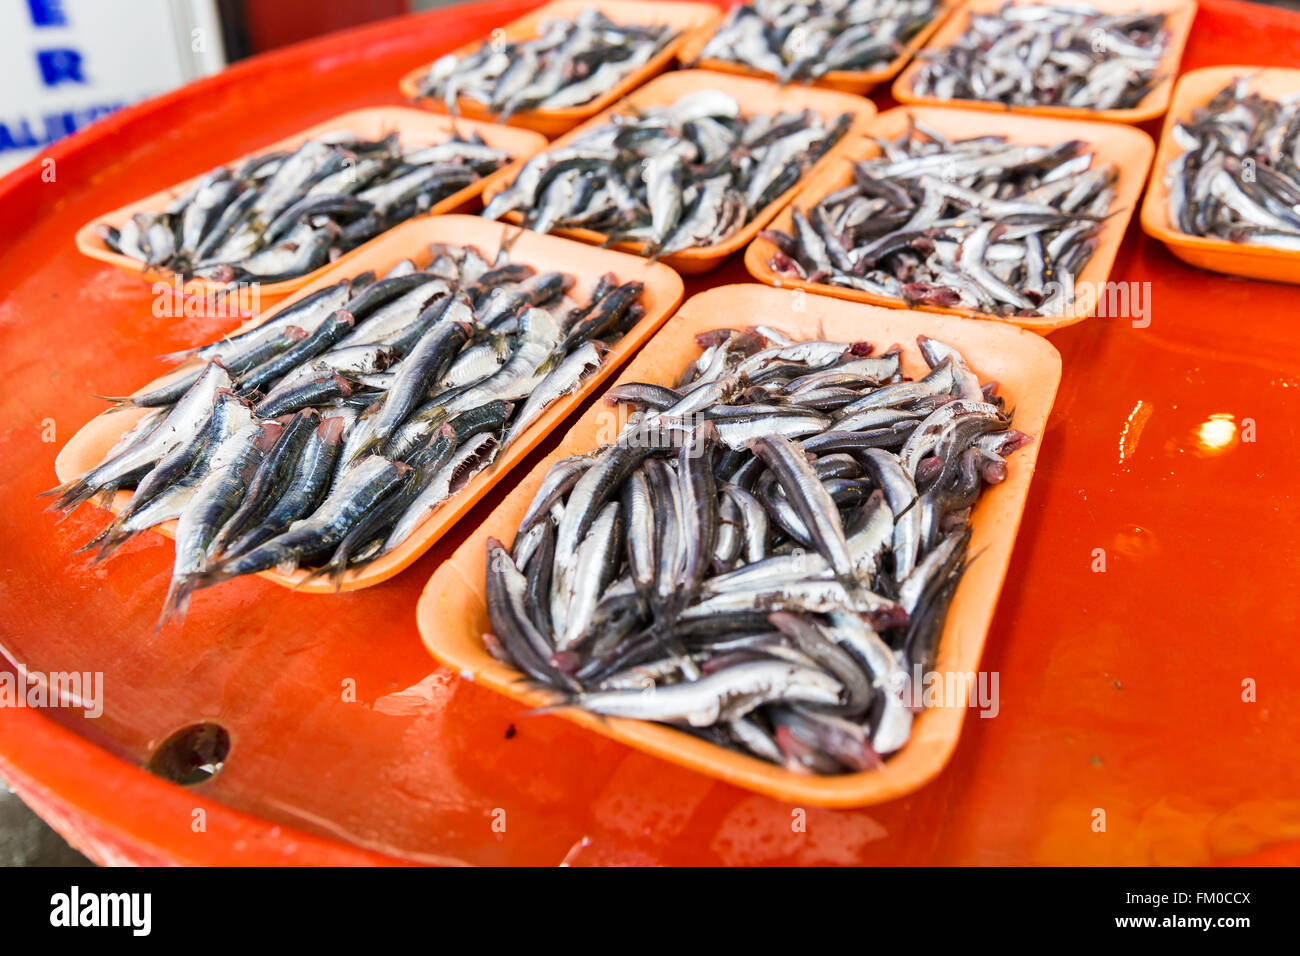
point(803, 40)
point(643, 178)
point(186, 417)
point(982, 224)
point(569, 62)
point(774, 595)
point(1045, 55)
point(215, 499)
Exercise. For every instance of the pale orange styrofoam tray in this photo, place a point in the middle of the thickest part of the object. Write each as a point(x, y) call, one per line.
point(1194, 90)
point(686, 18)
point(663, 290)
point(755, 96)
point(1180, 13)
point(847, 81)
point(1129, 149)
point(415, 127)
point(453, 616)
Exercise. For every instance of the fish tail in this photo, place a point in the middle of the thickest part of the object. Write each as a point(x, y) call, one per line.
point(95, 541)
point(178, 357)
point(104, 496)
point(564, 703)
point(71, 494)
point(507, 243)
point(311, 575)
point(114, 537)
point(177, 601)
point(62, 489)
point(337, 570)
point(210, 576)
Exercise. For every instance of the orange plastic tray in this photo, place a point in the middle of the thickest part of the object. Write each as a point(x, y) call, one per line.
point(1146, 463)
point(453, 615)
point(1181, 14)
point(754, 96)
point(687, 18)
point(847, 81)
point(1194, 90)
point(1128, 148)
point(416, 127)
point(663, 290)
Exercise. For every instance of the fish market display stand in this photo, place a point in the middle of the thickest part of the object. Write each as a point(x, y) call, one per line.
point(1144, 643)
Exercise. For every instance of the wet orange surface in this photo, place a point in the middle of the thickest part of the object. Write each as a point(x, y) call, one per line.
point(1169, 455)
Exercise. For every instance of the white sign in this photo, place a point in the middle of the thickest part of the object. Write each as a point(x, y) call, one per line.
point(69, 62)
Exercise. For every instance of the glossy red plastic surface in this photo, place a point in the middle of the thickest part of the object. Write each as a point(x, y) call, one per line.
point(1119, 690)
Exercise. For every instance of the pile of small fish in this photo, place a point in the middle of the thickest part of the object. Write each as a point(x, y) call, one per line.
point(765, 554)
point(980, 223)
point(283, 214)
point(803, 40)
point(1239, 175)
point(675, 177)
point(569, 62)
point(325, 436)
point(1045, 55)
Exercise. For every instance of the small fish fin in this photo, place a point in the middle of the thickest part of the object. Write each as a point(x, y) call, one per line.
point(550, 363)
point(93, 542)
point(119, 401)
point(339, 566)
point(57, 489)
point(104, 497)
point(374, 445)
point(71, 495)
point(507, 243)
point(311, 575)
point(177, 358)
point(563, 704)
point(209, 577)
point(114, 537)
point(177, 601)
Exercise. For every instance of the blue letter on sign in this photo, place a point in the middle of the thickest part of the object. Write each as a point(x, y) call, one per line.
point(47, 13)
point(60, 66)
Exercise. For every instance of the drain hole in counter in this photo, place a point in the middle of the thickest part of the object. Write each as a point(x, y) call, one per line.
point(191, 755)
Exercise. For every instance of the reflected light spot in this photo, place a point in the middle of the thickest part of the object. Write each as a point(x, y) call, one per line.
point(1132, 432)
point(1216, 433)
